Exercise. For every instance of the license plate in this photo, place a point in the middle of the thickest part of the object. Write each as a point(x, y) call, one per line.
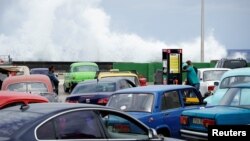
point(197, 121)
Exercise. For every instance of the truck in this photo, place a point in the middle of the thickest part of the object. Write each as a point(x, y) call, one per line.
point(79, 71)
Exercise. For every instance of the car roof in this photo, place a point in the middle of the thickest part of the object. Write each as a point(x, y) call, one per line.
point(39, 69)
point(116, 74)
point(205, 69)
point(153, 88)
point(102, 80)
point(46, 108)
point(237, 72)
point(83, 63)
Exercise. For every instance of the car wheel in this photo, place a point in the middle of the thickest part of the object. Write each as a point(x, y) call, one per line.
point(163, 133)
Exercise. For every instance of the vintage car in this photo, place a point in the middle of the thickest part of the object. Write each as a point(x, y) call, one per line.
point(133, 76)
point(207, 78)
point(10, 98)
point(79, 72)
point(229, 78)
point(233, 109)
point(158, 106)
point(35, 84)
point(71, 122)
point(97, 91)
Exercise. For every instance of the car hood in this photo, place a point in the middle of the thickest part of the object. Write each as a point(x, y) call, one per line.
point(219, 112)
point(216, 97)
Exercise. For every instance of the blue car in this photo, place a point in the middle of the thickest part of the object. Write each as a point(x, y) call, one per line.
point(229, 78)
point(234, 109)
point(157, 106)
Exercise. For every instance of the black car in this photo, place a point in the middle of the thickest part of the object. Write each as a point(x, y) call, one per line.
point(68, 121)
point(97, 91)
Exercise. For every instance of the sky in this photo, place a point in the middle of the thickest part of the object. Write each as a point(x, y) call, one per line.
point(121, 30)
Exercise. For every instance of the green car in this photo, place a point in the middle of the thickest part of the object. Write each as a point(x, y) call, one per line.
point(79, 72)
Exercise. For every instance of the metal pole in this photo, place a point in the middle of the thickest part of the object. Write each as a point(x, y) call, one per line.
point(202, 30)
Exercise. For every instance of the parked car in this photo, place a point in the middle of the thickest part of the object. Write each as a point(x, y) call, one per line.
point(133, 76)
point(97, 91)
point(44, 71)
point(158, 106)
point(231, 63)
point(10, 98)
point(207, 78)
point(234, 109)
point(65, 121)
point(35, 84)
point(229, 78)
point(79, 72)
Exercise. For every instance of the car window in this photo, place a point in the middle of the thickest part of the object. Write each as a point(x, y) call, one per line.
point(100, 87)
point(230, 81)
point(213, 75)
point(140, 102)
point(119, 126)
point(190, 97)
point(85, 68)
point(170, 100)
point(32, 87)
point(73, 125)
point(124, 84)
point(241, 98)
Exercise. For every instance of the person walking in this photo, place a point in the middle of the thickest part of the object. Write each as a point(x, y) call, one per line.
point(192, 77)
point(53, 79)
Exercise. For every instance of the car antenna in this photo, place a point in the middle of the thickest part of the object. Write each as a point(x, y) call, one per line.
point(24, 107)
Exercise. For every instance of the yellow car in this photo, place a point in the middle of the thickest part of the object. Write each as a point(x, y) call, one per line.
point(132, 76)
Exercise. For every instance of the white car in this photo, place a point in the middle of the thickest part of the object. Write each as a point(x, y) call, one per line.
point(207, 78)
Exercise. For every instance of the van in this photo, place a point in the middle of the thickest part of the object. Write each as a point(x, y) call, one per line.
point(231, 63)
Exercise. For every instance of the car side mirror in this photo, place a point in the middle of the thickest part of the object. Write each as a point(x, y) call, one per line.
point(152, 134)
point(216, 83)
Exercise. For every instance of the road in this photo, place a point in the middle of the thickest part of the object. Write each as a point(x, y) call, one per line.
point(62, 94)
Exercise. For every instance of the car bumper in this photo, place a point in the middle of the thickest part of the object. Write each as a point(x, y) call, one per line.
point(193, 135)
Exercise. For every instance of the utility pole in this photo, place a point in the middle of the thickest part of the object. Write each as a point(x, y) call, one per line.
point(202, 30)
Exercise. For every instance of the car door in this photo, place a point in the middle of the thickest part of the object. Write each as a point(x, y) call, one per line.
point(170, 109)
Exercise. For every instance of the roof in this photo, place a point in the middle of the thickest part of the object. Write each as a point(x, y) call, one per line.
point(154, 88)
point(46, 108)
point(101, 80)
point(238, 71)
point(83, 63)
point(116, 74)
point(28, 78)
point(204, 69)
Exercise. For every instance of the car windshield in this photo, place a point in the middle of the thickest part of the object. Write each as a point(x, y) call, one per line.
point(41, 71)
point(131, 78)
point(230, 81)
point(131, 102)
point(96, 87)
point(213, 75)
point(11, 121)
point(85, 68)
point(237, 97)
point(31, 87)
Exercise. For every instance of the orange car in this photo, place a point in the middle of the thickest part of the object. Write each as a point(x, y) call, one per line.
point(10, 98)
point(34, 84)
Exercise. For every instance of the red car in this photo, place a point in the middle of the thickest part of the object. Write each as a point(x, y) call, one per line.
point(34, 84)
point(10, 98)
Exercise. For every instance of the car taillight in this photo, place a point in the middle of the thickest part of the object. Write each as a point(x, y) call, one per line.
point(71, 101)
point(184, 120)
point(210, 88)
point(207, 122)
point(103, 101)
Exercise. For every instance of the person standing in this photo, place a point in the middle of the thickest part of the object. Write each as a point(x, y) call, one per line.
point(192, 77)
point(53, 79)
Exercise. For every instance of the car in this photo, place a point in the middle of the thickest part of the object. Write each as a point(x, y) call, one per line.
point(97, 91)
point(34, 84)
point(132, 75)
point(71, 121)
point(158, 106)
point(233, 109)
point(10, 98)
point(44, 71)
point(231, 63)
point(14, 70)
point(79, 71)
point(229, 78)
point(207, 78)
